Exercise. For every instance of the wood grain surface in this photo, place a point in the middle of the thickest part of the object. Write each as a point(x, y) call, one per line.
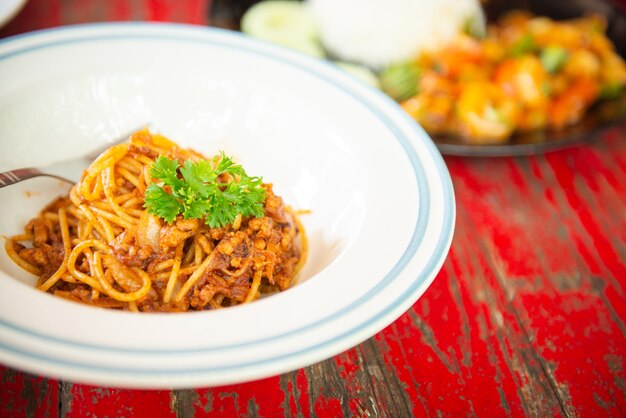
point(526, 318)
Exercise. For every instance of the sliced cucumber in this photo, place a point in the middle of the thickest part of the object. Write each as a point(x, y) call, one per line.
point(400, 80)
point(362, 73)
point(283, 22)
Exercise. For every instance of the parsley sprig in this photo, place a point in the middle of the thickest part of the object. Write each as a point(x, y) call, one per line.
point(197, 191)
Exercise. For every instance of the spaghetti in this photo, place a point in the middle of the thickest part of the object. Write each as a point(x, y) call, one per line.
point(101, 247)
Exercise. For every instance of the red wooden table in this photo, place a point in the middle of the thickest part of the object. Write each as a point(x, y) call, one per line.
point(527, 316)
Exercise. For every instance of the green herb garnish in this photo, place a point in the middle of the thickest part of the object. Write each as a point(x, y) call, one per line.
point(611, 91)
point(217, 192)
point(475, 26)
point(553, 58)
point(524, 45)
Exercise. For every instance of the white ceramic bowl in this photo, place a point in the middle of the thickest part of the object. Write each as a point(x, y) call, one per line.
point(381, 201)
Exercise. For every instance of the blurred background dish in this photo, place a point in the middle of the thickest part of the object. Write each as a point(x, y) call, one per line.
point(553, 84)
point(600, 117)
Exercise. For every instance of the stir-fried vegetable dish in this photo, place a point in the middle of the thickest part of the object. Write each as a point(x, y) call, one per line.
point(527, 73)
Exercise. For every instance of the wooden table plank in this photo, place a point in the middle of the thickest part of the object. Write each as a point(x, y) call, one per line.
point(41, 14)
point(25, 395)
point(561, 300)
point(85, 400)
point(479, 358)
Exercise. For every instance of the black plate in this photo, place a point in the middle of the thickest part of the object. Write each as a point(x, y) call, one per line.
point(599, 118)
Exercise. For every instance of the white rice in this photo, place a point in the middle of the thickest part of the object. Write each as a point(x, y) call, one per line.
point(379, 32)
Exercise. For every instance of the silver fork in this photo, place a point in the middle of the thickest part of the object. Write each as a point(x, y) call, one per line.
point(67, 170)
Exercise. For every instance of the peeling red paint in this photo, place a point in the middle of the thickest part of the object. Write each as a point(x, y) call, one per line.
point(25, 395)
point(327, 407)
point(106, 402)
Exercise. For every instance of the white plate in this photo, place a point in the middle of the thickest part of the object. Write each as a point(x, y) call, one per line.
point(8, 10)
point(381, 200)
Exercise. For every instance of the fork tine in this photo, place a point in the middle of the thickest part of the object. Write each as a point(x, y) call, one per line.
point(15, 176)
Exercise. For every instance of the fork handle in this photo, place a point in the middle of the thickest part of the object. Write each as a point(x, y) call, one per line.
point(15, 176)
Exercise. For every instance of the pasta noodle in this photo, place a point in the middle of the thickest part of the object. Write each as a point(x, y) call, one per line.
point(100, 246)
